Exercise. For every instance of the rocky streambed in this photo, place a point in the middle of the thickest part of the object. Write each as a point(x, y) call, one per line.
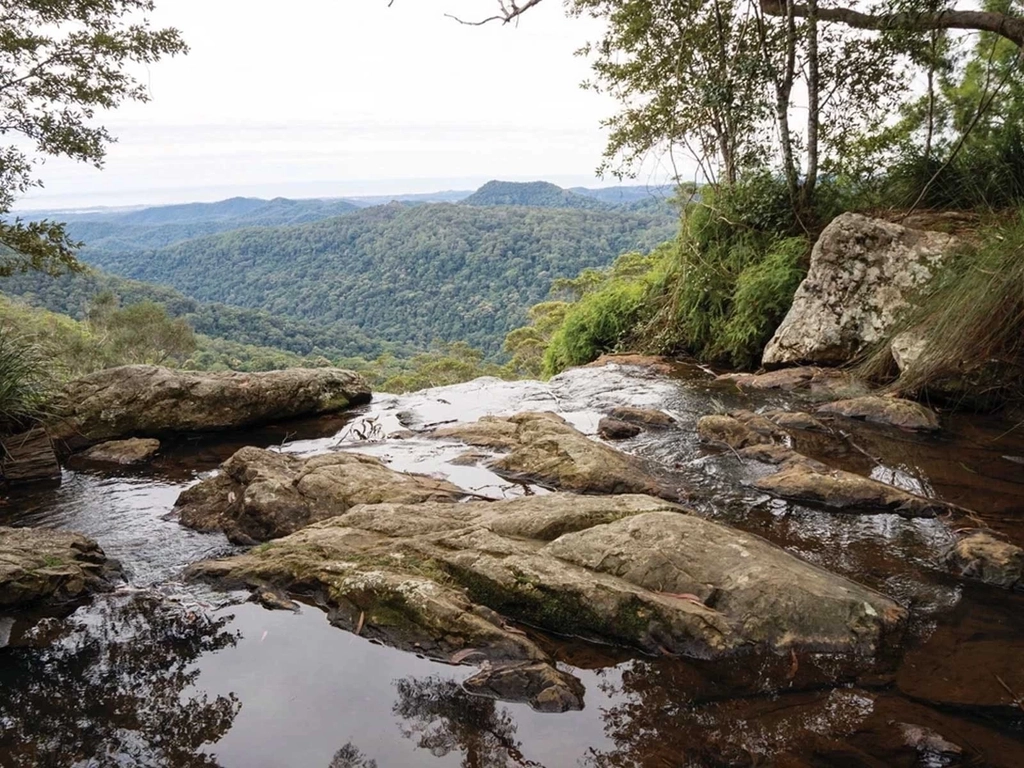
point(629, 565)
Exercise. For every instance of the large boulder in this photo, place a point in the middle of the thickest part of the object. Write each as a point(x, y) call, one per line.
point(260, 494)
point(150, 401)
point(632, 570)
point(544, 449)
point(864, 273)
point(38, 565)
point(134, 450)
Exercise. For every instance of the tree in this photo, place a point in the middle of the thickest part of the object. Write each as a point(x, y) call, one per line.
point(60, 62)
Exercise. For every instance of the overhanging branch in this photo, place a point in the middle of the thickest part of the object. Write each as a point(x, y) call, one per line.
point(1009, 27)
point(510, 11)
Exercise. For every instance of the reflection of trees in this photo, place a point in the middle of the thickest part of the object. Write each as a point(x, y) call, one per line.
point(109, 691)
point(350, 757)
point(443, 718)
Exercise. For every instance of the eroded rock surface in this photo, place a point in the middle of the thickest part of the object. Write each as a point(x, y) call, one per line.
point(863, 274)
point(632, 570)
point(261, 494)
point(544, 449)
point(893, 411)
point(37, 565)
point(150, 401)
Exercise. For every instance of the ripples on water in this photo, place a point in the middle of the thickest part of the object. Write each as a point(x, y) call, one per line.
point(178, 676)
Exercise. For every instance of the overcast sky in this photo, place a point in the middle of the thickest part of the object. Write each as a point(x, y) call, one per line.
point(345, 97)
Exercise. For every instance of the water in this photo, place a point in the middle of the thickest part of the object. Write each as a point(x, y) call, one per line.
point(167, 674)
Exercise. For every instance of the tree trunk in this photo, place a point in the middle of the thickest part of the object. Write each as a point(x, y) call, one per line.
point(813, 108)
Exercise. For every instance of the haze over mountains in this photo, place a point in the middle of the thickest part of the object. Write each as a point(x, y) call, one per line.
point(356, 276)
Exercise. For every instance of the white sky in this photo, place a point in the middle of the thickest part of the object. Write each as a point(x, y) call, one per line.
point(346, 97)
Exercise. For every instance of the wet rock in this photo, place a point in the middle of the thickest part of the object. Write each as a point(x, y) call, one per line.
point(470, 459)
point(274, 600)
point(730, 432)
point(845, 491)
point(820, 381)
point(149, 401)
point(893, 411)
point(983, 557)
point(38, 565)
point(135, 450)
point(931, 746)
point(650, 418)
point(864, 272)
point(543, 449)
point(632, 570)
point(795, 420)
point(615, 429)
point(260, 494)
point(540, 685)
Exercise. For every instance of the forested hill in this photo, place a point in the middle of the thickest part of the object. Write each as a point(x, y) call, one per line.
point(73, 294)
point(541, 194)
point(400, 273)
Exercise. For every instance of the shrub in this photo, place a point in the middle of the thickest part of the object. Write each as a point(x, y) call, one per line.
point(27, 380)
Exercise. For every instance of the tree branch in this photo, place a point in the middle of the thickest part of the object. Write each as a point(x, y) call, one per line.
point(509, 12)
point(1009, 27)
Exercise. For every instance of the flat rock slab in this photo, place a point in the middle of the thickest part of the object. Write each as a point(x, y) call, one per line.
point(631, 570)
point(544, 449)
point(864, 273)
point(260, 494)
point(38, 565)
point(150, 401)
point(135, 450)
point(893, 411)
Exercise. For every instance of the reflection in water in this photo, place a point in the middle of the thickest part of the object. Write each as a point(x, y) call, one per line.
point(350, 757)
point(108, 690)
point(443, 718)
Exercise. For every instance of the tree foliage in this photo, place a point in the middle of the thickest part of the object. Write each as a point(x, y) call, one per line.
point(61, 61)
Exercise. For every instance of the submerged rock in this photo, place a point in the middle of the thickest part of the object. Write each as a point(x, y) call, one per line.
point(261, 494)
point(800, 478)
point(893, 411)
point(135, 450)
point(540, 685)
point(149, 401)
point(983, 557)
point(544, 449)
point(845, 491)
point(730, 432)
point(632, 570)
point(820, 381)
point(38, 565)
point(864, 272)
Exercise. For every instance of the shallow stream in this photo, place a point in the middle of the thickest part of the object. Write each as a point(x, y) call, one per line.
point(167, 674)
